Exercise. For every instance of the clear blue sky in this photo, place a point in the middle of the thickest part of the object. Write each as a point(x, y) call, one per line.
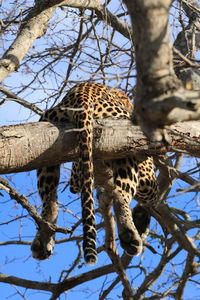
point(16, 260)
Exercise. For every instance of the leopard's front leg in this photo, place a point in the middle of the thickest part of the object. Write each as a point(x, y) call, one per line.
point(48, 180)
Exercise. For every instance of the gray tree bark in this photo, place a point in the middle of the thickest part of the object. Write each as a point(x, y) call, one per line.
point(159, 93)
point(30, 146)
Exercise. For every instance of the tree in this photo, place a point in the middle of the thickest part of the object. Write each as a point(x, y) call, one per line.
point(55, 44)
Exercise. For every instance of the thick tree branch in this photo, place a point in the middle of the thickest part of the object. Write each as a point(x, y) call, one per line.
point(30, 146)
point(160, 95)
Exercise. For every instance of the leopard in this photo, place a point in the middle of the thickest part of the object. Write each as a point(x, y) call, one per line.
point(132, 178)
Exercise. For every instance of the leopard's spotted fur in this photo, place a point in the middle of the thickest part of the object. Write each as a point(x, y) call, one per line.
point(81, 105)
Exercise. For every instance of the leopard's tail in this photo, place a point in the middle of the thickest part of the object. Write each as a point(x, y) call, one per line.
point(87, 183)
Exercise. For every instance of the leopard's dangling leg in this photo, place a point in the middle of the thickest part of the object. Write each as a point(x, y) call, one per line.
point(147, 196)
point(48, 180)
point(125, 179)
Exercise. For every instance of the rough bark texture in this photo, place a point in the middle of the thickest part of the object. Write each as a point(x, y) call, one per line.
point(160, 94)
point(29, 146)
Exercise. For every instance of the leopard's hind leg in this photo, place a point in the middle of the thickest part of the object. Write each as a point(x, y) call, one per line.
point(48, 180)
point(125, 180)
point(147, 196)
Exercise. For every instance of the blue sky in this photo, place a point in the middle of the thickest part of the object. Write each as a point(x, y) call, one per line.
point(16, 260)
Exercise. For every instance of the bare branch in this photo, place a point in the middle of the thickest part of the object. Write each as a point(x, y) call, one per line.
point(188, 271)
point(151, 278)
point(36, 285)
point(21, 199)
point(11, 96)
point(59, 288)
point(104, 14)
point(34, 26)
point(174, 226)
